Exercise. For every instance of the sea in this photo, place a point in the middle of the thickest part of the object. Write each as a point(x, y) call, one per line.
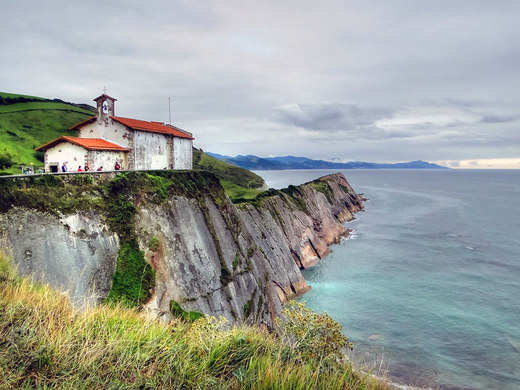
point(427, 286)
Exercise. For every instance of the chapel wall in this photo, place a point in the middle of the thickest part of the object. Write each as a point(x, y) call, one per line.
point(66, 152)
point(107, 159)
point(151, 151)
point(114, 132)
point(182, 153)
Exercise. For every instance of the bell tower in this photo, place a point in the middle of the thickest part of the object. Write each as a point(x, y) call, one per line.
point(105, 108)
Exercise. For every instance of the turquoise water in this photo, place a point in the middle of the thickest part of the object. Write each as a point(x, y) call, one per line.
point(428, 286)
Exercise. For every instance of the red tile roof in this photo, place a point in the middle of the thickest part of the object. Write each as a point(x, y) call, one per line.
point(87, 143)
point(153, 127)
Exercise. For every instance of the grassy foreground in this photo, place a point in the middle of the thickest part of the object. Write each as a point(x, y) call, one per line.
point(46, 343)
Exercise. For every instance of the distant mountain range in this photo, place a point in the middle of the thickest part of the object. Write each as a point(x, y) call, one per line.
point(290, 162)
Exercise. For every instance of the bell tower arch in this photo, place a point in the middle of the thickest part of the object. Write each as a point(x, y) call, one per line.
point(105, 108)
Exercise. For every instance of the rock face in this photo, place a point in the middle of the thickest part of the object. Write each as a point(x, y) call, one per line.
point(300, 225)
point(239, 261)
point(74, 253)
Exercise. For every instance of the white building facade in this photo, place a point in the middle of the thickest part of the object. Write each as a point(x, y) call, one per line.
point(134, 144)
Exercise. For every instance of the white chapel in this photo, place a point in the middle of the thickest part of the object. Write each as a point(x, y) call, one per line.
point(107, 139)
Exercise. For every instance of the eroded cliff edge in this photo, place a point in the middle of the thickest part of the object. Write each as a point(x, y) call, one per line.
point(85, 234)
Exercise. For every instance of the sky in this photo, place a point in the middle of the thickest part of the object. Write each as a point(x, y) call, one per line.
point(366, 80)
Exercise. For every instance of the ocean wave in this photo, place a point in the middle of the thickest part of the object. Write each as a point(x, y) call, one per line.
point(351, 236)
point(354, 218)
point(454, 235)
point(512, 267)
point(407, 387)
point(468, 246)
point(395, 385)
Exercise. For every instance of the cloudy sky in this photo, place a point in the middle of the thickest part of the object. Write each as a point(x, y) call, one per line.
point(370, 80)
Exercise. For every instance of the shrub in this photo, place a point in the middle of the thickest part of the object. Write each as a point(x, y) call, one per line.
point(179, 312)
point(40, 156)
point(134, 277)
point(6, 161)
point(314, 335)
point(154, 244)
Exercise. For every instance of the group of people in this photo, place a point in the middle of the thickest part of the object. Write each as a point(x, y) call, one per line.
point(86, 168)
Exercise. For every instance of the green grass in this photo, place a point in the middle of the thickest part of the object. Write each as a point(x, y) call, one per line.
point(46, 343)
point(53, 194)
point(27, 122)
point(134, 277)
point(238, 193)
point(44, 105)
point(179, 312)
point(324, 188)
point(7, 95)
point(238, 182)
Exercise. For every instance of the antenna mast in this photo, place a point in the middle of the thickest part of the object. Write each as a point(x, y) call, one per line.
point(169, 110)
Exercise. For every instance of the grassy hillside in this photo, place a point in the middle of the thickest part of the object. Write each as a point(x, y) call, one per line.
point(239, 183)
point(27, 122)
point(46, 343)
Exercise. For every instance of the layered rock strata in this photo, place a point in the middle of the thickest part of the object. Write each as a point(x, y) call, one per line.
point(239, 261)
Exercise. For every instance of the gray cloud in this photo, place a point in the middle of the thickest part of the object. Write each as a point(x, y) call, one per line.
point(332, 116)
point(433, 80)
point(468, 103)
point(499, 119)
point(464, 103)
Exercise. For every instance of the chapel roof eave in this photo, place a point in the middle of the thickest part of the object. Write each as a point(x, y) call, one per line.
point(104, 95)
point(153, 127)
point(86, 143)
point(83, 122)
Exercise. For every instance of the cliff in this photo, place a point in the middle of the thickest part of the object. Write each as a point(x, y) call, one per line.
point(172, 241)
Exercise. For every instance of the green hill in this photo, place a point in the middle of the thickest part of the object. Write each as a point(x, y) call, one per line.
point(27, 122)
point(239, 183)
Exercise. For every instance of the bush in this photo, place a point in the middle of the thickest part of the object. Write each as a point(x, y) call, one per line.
point(314, 335)
point(154, 244)
point(6, 161)
point(179, 312)
point(40, 156)
point(133, 278)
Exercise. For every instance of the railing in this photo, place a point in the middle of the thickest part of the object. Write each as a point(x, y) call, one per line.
point(92, 172)
point(63, 173)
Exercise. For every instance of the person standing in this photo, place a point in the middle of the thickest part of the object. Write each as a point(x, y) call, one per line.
point(117, 167)
point(64, 167)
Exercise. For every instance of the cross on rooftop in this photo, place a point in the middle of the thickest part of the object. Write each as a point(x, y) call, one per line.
point(105, 90)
